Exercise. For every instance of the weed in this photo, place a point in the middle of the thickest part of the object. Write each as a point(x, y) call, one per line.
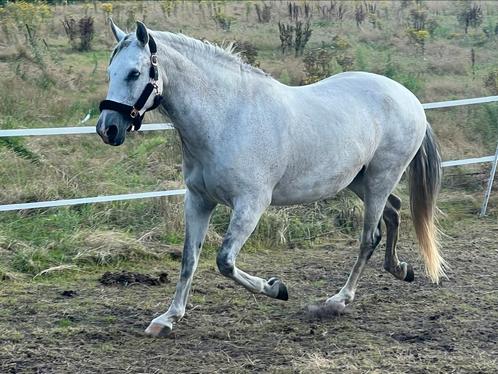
point(264, 14)
point(294, 36)
point(222, 20)
point(247, 51)
point(470, 16)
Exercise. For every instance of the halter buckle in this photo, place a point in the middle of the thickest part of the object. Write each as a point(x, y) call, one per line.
point(134, 113)
point(153, 60)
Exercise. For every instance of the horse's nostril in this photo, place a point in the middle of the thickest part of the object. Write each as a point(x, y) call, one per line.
point(111, 132)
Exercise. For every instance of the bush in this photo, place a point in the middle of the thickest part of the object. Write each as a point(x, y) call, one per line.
point(295, 36)
point(470, 16)
point(317, 65)
point(86, 33)
point(222, 20)
point(264, 15)
point(80, 34)
point(247, 51)
point(491, 82)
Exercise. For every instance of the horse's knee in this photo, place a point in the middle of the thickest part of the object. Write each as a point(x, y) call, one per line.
point(225, 264)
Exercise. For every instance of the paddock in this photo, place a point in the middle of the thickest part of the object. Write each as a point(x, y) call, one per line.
point(394, 326)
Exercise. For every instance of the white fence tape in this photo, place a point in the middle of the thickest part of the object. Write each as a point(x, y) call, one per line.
point(90, 200)
point(468, 161)
point(73, 130)
point(144, 195)
point(167, 126)
point(447, 104)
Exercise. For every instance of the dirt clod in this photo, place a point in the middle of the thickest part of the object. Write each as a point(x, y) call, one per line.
point(126, 278)
point(69, 293)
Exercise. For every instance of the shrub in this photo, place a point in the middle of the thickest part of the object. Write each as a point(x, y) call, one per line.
point(359, 15)
point(470, 16)
point(264, 15)
point(418, 37)
point(317, 65)
point(222, 20)
point(81, 33)
point(247, 51)
point(294, 36)
point(71, 30)
point(491, 81)
point(86, 33)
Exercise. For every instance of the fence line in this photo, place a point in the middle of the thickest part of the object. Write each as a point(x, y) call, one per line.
point(144, 195)
point(451, 103)
point(468, 161)
point(73, 130)
point(90, 200)
point(167, 126)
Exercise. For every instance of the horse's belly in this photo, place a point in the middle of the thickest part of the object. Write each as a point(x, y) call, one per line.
point(308, 187)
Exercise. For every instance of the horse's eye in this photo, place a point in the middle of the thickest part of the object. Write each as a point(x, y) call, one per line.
point(133, 75)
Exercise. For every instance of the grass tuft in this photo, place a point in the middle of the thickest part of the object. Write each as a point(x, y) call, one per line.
point(109, 247)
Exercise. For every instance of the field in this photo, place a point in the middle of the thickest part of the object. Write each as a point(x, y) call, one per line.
point(57, 316)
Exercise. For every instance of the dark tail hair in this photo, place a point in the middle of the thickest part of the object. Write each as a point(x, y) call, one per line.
point(425, 182)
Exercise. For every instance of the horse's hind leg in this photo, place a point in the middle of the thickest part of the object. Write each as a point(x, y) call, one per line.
point(391, 216)
point(375, 186)
point(400, 270)
point(245, 216)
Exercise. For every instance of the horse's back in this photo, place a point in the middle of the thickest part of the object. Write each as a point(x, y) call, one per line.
point(343, 124)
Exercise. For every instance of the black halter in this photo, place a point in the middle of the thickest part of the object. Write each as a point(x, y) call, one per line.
point(133, 112)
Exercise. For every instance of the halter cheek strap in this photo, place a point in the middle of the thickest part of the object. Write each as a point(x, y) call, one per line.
point(133, 112)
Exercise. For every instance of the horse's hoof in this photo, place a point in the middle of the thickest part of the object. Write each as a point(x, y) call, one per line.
point(335, 307)
point(282, 293)
point(157, 330)
point(410, 275)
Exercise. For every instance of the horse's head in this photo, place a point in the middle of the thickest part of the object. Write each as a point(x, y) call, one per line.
point(135, 84)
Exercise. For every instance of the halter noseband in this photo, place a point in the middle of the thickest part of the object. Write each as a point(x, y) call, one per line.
point(133, 112)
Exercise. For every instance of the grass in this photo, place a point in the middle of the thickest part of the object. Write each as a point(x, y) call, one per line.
point(34, 169)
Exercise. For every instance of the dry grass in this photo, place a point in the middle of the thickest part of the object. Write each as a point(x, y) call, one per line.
point(106, 247)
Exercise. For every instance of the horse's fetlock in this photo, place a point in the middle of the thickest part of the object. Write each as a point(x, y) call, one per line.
point(225, 265)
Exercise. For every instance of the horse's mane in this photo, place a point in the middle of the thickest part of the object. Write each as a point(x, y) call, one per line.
point(225, 52)
point(180, 42)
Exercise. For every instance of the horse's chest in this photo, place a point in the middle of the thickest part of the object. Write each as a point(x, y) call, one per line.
point(211, 183)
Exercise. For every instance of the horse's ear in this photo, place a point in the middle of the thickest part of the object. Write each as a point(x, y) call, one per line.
point(118, 33)
point(142, 34)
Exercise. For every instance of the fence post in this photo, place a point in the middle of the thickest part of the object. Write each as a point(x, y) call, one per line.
point(490, 185)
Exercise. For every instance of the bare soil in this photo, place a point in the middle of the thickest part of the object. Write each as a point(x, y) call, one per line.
point(391, 327)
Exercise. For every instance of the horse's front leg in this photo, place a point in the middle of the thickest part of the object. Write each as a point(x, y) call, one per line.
point(197, 214)
point(245, 216)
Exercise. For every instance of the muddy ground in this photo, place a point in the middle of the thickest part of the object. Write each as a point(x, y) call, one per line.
point(78, 325)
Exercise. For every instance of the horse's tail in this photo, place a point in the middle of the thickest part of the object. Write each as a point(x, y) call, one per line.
point(425, 182)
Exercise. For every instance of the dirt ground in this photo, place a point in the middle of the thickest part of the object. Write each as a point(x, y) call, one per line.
point(79, 325)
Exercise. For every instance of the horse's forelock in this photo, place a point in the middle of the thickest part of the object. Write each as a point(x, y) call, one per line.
point(121, 45)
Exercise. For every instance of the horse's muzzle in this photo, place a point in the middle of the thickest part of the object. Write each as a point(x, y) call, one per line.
point(111, 128)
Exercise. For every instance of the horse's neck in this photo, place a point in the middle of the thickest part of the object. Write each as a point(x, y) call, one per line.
point(195, 96)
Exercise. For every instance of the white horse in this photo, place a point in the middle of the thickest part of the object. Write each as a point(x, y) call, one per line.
point(249, 141)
